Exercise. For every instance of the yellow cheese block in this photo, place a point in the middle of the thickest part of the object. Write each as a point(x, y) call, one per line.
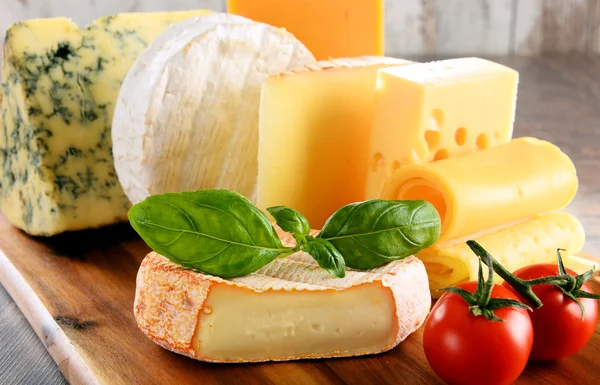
point(328, 28)
point(432, 111)
point(315, 128)
point(489, 188)
point(526, 243)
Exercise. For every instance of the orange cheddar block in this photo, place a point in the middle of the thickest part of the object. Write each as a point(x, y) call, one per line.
point(432, 111)
point(314, 132)
point(328, 28)
point(488, 188)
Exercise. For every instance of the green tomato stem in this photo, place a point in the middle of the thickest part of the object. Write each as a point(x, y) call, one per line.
point(568, 284)
point(521, 286)
point(481, 302)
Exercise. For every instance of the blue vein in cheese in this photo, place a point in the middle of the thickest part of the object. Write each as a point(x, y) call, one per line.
point(59, 87)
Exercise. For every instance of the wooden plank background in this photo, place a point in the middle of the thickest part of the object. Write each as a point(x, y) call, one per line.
point(413, 27)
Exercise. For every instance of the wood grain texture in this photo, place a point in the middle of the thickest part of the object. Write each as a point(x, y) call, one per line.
point(448, 26)
point(413, 27)
point(557, 27)
point(469, 27)
point(86, 11)
point(23, 358)
point(86, 280)
point(492, 27)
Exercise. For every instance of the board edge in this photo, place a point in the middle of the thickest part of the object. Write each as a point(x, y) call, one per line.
point(54, 339)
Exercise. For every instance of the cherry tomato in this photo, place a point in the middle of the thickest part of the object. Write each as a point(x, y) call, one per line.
point(466, 349)
point(558, 328)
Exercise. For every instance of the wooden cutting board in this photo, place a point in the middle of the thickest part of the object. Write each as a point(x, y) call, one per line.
point(77, 292)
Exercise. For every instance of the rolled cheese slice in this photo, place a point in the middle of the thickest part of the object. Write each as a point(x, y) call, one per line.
point(187, 114)
point(290, 309)
point(488, 188)
point(533, 241)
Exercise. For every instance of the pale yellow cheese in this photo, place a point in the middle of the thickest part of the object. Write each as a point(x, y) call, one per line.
point(315, 129)
point(533, 241)
point(289, 309)
point(242, 325)
point(431, 111)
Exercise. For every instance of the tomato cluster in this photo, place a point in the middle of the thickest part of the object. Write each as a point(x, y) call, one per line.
point(483, 333)
point(561, 328)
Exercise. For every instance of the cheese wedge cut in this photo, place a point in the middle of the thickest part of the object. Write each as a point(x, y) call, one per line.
point(289, 309)
point(533, 241)
point(187, 114)
point(488, 188)
point(59, 87)
point(431, 111)
point(315, 134)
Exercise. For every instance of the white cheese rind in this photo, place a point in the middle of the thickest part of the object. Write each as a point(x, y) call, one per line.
point(296, 311)
point(187, 113)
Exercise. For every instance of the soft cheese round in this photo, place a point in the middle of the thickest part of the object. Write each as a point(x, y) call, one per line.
point(187, 114)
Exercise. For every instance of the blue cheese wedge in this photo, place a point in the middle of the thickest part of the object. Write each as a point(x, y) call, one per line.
point(187, 114)
point(59, 87)
point(289, 309)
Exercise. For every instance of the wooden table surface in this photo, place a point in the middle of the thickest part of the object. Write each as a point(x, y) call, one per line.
point(558, 100)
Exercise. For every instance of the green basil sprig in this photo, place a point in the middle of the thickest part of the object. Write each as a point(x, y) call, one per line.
point(222, 233)
point(328, 257)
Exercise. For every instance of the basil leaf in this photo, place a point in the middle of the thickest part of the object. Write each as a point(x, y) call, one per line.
point(218, 232)
point(326, 255)
point(372, 233)
point(291, 221)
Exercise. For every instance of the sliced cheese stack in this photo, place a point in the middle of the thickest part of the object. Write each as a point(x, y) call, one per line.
point(187, 114)
point(290, 309)
point(315, 129)
point(532, 241)
point(59, 87)
point(494, 196)
point(431, 111)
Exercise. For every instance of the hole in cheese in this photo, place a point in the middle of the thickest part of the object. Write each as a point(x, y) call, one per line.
point(433, 139)
point(483, 141)
point(422, 189)
point(377, 162)
point(395, 165)
point(437, 119)
point(461, 136)
point(441, 154)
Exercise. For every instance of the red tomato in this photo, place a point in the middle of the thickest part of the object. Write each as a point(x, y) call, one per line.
point(558, 328)
point(466, 349)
